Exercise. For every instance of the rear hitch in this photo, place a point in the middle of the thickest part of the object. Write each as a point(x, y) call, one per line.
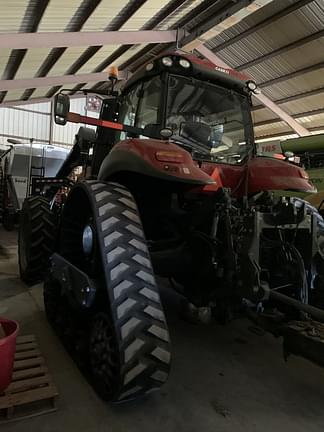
point(312, 311)
point(305, 339)
point(302, 338)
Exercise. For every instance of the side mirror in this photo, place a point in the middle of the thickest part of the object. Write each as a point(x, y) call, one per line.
point(13, 141)
point(61, 108)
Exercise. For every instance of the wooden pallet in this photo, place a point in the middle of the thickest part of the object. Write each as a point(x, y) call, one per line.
point(31, 392)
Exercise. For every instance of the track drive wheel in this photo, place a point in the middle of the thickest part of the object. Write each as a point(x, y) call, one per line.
point(101, 233)
point(36, 238)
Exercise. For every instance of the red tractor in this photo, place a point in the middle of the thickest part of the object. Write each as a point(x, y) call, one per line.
point(173, 188)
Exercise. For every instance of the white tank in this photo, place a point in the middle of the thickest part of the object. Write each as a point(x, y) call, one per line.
point(36, 160)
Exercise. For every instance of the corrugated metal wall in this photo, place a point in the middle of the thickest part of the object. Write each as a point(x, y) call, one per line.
point(34, 121)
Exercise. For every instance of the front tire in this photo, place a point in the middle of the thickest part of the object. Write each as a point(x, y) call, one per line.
point(36, 238)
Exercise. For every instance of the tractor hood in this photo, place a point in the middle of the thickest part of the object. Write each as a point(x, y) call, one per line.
point(260, 174)
point(271, 174)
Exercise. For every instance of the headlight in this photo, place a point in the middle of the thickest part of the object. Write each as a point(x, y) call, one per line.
point(184, 63)
point(167, 61)
point(251, 85)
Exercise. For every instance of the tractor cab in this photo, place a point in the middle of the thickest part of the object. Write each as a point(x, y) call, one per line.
point(185, 99)
point(201, 109)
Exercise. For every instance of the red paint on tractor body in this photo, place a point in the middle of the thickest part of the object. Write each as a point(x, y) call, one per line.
point(273, 174)
point(260, 174)
point(151, 150)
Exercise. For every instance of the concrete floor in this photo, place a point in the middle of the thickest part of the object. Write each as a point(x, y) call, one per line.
point(223, 378)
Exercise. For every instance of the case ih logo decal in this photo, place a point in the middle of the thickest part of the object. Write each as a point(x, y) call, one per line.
point(220, 69)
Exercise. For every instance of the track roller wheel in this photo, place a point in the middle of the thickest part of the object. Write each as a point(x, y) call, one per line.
point(101, 234)
point(104, 356)
point(36, 238)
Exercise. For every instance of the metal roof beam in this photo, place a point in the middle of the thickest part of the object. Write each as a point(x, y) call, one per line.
point(218, 9)
point(53, 80)
point(83, 12)
point(33, 15)
point(71, 39)
point(293, 98)
point(228, 16)
point(294, 74)
point(157, 19)
point(296, 44)
point(119, 20)
point(295, 116)
point(269, 20)
point(19, 102)
point(285, 133)
point(299, 129)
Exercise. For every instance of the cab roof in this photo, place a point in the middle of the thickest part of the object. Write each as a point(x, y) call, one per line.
point(200, 69)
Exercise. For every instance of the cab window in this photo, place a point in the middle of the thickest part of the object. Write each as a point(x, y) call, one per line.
point(128, 109)
point(149, 103)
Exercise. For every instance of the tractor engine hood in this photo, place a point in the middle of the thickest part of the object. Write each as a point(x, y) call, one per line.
point(257, 175)
point(271, 174)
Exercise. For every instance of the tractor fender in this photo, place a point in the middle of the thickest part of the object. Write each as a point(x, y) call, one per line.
point(153, 158)
point(272, 174)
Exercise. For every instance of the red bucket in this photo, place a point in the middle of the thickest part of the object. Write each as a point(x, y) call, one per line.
point(7, 351)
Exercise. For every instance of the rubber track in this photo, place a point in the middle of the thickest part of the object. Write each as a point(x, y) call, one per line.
point(136, 309)
point(42, 231)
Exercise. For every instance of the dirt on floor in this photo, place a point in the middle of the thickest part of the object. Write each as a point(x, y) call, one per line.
point(223, 378)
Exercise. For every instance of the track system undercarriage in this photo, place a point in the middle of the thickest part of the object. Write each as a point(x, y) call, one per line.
point(101, 295)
